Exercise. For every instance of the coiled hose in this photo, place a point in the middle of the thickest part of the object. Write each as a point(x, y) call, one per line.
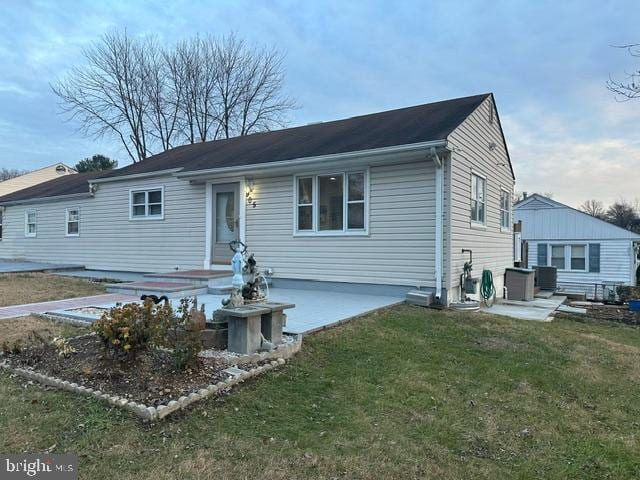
point(487, 288)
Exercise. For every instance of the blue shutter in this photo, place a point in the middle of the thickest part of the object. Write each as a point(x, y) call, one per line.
point(542, 254)
point(594, 257)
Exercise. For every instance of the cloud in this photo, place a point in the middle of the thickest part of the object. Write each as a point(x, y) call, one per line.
point(574, 169)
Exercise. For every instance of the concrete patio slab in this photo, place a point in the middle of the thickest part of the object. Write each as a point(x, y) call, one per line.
point(539, 309)
point(7, 266)
point(315, 309)
point(103, 274)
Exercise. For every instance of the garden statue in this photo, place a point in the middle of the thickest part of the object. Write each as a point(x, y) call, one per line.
point(248, 291)
point(237, 263)
point(237, 282)
point(251, 290)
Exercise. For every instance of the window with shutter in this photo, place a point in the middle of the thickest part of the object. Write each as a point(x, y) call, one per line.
point(594, 257)
point(542, 254)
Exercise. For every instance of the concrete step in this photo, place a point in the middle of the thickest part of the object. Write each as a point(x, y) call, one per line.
point(545, 294)
point(222, 286)
point(195, 277)
point(220, 289)
point(170, 289)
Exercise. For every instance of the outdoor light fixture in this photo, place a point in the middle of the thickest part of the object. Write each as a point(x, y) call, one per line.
point(249, 194)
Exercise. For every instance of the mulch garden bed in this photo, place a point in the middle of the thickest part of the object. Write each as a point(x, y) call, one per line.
point(613, 313)
point(151, 379)
point(606, 313)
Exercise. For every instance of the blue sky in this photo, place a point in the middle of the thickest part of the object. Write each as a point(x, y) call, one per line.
point(546, 62)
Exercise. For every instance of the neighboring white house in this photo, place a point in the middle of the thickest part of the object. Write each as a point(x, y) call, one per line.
point(34, 178)
point(388, 199)
point(586, 250)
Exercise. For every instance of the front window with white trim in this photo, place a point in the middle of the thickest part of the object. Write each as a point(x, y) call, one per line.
point(72, 222)
point(505, 210)
point(147, 204)
point(333, 203)
point(478, 198)
point(30, 223)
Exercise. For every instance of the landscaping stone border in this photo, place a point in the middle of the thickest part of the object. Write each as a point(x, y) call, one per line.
point(63, 319)
point(290, 346)
point(150, 413)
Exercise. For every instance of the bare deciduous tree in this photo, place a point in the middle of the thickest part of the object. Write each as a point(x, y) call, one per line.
point(9, 173)
point(152, 98)
point(108, 95)
point(623, 214)
point(249, 82)
point(595, 208)
point(629, 87)
point(164, 93)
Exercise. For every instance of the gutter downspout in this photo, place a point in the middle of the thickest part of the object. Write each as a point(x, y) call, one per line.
point(439, 227)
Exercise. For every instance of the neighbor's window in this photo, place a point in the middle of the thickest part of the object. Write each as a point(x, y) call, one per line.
point(30, 227)
point(73, 222)
point(557, 256)
point(478, 194)
point(578, 257)
point(147, 203)
point(1, 222)
point(331, 203)
point(505, 210)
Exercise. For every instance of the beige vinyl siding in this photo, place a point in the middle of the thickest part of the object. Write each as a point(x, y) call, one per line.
point(108, 239)
point(33, 178)
point(492, 248)
point(398, 250)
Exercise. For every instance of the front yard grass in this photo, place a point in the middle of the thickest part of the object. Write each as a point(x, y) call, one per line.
point(20, 288)
point(407, 393)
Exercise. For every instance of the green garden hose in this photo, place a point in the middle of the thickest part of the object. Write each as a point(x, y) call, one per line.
point(487, 288)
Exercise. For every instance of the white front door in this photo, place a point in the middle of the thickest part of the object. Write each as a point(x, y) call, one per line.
point(226, 221)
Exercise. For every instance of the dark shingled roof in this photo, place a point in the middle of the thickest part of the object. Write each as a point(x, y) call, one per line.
point(422, 123)
point(64, 185)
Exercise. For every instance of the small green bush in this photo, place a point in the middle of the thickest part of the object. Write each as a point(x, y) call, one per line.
point(175, 333)
point(125, 330)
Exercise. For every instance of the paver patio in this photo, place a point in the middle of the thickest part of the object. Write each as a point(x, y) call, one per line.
point(42, 307)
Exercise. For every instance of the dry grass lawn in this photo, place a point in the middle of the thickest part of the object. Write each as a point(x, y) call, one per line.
point(19, 288)
point(26, 330)
point(407, 393)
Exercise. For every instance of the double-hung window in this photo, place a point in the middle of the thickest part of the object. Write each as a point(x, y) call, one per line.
point(30, 223)
point(305, 204)
point(557, 256)
point(578, 257)
point(478, 199)
point(72, 222)
point(505, 210)
point(331, 204)
point(569, 257)
point(147, 204)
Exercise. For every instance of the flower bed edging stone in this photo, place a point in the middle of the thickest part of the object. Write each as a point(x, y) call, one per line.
point(150, 413)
